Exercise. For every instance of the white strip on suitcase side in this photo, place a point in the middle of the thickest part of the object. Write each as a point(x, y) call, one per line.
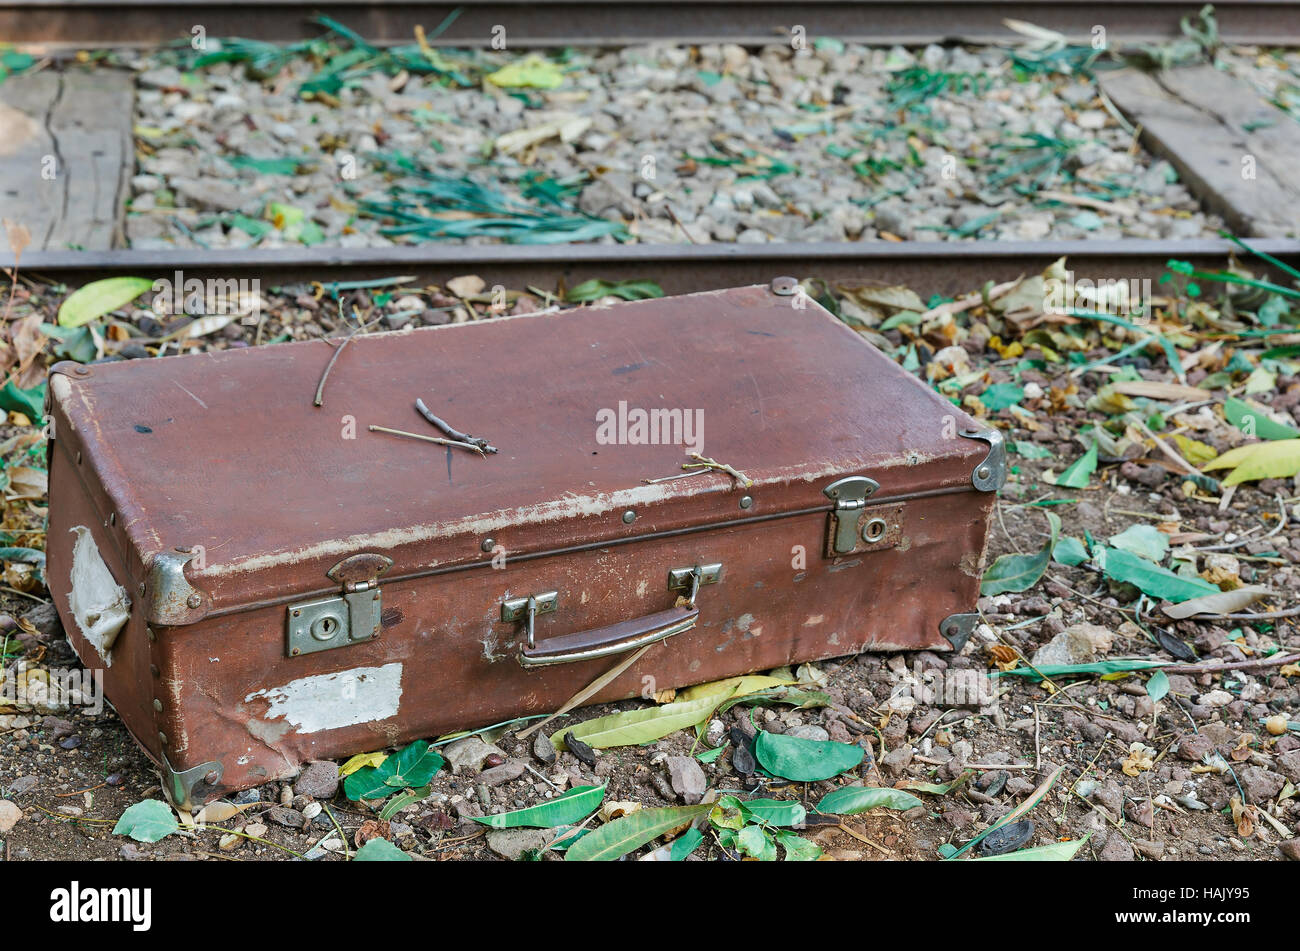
point(331, 701)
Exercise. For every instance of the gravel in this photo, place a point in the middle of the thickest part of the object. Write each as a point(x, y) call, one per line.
point(745, 146)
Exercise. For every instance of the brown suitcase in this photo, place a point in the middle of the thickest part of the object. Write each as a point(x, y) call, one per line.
point(268, 582)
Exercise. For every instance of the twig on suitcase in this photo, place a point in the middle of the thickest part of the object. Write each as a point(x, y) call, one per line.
point(586, 692)
point(703, 462)
point(451, 432)
point(320, 387)
point(441, 442)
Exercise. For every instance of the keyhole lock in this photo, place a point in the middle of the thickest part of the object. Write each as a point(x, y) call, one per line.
point(325, 628)
point(874, 530)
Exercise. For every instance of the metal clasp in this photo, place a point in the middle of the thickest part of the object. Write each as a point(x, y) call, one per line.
point(355, 615)
point(850, 497)
point(690, 579)
point(528, 608)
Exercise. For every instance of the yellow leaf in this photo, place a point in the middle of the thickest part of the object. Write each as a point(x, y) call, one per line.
point(1194, 451)
point(733, 686)
point(1273, 459)
point(362, 759)
point(533, 71)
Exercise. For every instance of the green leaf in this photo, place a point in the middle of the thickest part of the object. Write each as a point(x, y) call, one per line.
point(147, 821)
point(98, 298)
point(851, 800)
point(804, 760)
point(1069, 551)
point(380, 850)
point(1064, 670)
point(685, 844)
point(1158, 686)
point(1152, 580)
point(635, 727)
point(797, 848)
point(615, 839)
point(1145, 541)
point(31, 403)
point(265, 166)
point(402, 800)
point(411, 767)
point(1001, 395)
point(1021, 572)
point(573, 806)
point(1030, 450)
point(754, 840)
point(775, 812)
point(1253, 422)
point(1080, 471)
point(1055, 852)
point(595, 289)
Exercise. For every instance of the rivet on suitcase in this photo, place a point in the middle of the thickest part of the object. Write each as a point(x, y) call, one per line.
point(266, 581)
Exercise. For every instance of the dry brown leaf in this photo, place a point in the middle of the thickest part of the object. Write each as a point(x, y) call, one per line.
point(1140, 757)
point(19, 237)
point(1244, 817)
point(27, 483)
point(1155, 390)
point(29, 343)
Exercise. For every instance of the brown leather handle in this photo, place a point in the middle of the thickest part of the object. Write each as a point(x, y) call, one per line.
point(615, 639)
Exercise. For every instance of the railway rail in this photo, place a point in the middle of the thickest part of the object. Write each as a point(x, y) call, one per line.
point(56, 24)
point(928, 267)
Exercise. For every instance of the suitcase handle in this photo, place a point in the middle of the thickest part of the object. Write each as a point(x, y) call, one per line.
point(617, 638)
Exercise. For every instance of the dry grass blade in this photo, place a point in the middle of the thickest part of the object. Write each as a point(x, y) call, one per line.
point(588, 691)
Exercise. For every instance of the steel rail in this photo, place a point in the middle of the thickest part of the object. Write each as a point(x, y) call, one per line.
point(928, 267)
point(61, 24)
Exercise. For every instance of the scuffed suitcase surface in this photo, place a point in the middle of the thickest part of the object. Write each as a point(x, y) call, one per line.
point(148, 455)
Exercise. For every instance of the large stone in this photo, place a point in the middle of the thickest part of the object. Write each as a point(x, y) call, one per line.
point(9, 815)
point(1289, 765)
point(510, 769)
point(687, 778)
point(1116, 849)
point(468, 753)
point(513, 843)
point(1077, 644)
point(318, 779)
point(1260, 784)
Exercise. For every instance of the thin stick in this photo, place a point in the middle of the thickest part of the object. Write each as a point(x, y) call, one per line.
point(1237, 665)
point(1266, 616)
point(707, 463)
point(673, 215)
point(320, 387)
point(441, 442)
point(452, 433)
point(586, 691)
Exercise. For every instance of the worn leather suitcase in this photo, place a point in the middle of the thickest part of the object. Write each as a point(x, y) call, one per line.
point(266, 581)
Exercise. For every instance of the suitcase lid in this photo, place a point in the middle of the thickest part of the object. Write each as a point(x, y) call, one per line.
point(221, 458)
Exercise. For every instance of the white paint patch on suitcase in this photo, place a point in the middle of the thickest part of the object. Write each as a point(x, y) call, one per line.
point(99, 604)
point(331, 701)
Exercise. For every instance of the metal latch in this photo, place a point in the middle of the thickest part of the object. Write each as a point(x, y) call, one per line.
point(850, 497)
point(527, 609)
point(349, 618)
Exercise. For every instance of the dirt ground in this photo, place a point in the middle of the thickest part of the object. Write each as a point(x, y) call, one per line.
point(73, 773)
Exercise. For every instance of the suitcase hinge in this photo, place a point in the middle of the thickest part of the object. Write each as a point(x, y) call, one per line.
point(351, 617)
point(850, 497)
